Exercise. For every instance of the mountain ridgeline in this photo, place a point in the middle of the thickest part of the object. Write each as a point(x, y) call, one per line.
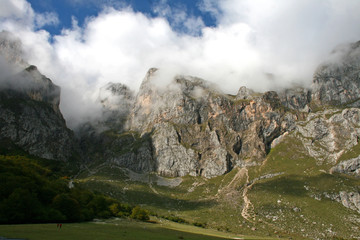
point(298, 146)
point(191, 127)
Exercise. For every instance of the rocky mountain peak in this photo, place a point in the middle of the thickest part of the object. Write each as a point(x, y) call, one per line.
point(116, 96)
point(147, 83)
point(245, 93)
point(198, 130)
point(29, 107)
point(30, 83)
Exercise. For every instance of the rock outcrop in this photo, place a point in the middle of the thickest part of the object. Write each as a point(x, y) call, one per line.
point(328, 134)
point(337, 81)
point(351, 167)
point(117, 101)
point(297, 98)
point(350, 200)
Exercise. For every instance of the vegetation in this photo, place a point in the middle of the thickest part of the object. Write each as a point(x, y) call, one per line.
point(140, 214)
point(32, 193)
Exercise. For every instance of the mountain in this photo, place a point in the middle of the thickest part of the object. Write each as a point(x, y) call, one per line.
point(30, 117)
point(281, 163)
point(270, 163)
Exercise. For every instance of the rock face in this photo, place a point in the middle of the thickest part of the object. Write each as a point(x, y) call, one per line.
point(187, 126)
point(351, 166)
point(29, 110)
point(193, 128)
point(108, 139)
point(328, 134)
point(337, 81)
point(296, 99)
point(350, 200)
point(117, 101)
point(198, 130)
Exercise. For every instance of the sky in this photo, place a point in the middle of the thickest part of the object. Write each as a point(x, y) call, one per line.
point(84, 44)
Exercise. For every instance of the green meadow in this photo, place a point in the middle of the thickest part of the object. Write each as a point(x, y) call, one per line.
point(112, 229)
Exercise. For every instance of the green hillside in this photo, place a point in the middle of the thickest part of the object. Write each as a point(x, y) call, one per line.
point(288, 195)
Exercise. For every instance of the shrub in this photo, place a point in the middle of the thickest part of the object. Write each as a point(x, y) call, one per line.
point(140, 214)
point(197, 224)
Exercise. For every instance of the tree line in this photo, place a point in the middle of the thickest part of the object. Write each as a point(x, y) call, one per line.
point(32, 193)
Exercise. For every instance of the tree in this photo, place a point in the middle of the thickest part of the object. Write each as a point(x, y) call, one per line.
point(22, 206)
point(140, 214)
point(67, 206)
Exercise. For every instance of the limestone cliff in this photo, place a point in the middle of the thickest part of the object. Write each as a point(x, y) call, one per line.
point(198, 130)
point(336, 81)
point(30, 116)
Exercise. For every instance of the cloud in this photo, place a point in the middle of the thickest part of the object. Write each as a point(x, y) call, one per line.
point(178, 18)
point(47, 18)
point(252, 39)
point(19, 14)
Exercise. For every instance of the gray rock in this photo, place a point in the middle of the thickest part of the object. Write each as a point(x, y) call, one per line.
point(245, 93)
point(351, 166)
point(337, 81)
point(198, 130)
point(172, 158)
point(328, 134)
point(350, 200)
point(31, 118)
point(117, 101)
point(296, 98)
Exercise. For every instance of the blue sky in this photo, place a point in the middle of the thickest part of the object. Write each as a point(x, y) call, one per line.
point(81, 9)
point(84, 44)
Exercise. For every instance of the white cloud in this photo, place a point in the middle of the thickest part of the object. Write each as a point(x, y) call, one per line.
point(179, 18)
point(18, 14)
point(15, 9)
point(287, 38)
point(47, 18)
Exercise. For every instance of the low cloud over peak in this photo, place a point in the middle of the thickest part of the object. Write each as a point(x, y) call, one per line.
point(252, 40)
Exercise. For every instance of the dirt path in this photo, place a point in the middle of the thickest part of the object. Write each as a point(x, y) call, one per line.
point(152, 188)
point(233, 195)
point(232, 185)
point(248, 209)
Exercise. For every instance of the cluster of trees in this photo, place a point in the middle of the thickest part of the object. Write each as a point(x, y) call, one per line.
point(32, 193)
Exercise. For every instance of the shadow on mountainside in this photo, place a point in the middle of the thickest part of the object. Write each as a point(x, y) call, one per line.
point(165, 202)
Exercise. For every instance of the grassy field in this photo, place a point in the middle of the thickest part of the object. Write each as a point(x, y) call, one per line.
point(115, 229)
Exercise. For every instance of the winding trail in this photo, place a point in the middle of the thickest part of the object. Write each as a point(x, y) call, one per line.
point(248, 209)
point(229, 190)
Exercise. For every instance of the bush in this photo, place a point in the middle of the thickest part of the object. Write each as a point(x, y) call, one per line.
point(175, 219)
point(197, 224)
point(140, 214)
point(120, 210)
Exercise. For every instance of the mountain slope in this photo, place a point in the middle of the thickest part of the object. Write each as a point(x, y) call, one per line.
point(278, 164)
